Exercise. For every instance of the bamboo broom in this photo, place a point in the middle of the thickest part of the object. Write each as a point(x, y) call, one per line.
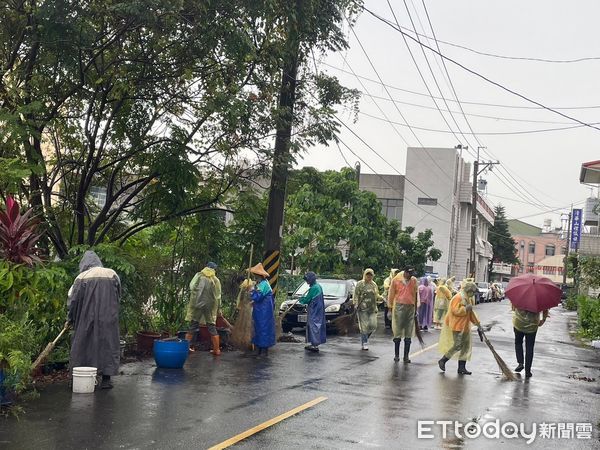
point(501, 364)
point(46, 352)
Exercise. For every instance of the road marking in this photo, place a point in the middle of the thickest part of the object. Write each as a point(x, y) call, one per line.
point(267, 424)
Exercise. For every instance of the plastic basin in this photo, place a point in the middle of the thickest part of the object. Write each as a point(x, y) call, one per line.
point(171, 354)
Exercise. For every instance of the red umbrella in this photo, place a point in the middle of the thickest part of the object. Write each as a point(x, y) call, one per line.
point(533, 293)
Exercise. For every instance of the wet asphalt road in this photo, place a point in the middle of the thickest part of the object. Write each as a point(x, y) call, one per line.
point(372, 402)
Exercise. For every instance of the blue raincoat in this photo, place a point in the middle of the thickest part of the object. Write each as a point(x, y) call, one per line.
point(262, 315)
point(316, 328)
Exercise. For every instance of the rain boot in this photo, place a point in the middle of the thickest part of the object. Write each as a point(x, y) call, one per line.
point(407, 342)
point(190, 337)
point(106, 384)
point(442, 363)
point(462, 368)
point(397, 350)
point(216, 345)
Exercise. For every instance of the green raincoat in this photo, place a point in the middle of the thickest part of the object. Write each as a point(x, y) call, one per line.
point(366, 295)
point(205, 297)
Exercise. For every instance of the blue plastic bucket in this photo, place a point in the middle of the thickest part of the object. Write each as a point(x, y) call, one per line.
point(171, 354)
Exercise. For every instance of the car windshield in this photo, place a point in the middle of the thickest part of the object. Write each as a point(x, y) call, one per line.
point(331, 288)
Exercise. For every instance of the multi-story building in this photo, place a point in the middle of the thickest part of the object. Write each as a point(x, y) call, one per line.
point(389, 190)
point(438, 196)
point(540, 250)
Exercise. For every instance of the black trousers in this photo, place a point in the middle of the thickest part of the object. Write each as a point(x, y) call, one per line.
point(529, 344)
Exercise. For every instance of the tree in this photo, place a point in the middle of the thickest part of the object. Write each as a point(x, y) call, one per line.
point(163, 106)
point(501, 240)
point(333, 226)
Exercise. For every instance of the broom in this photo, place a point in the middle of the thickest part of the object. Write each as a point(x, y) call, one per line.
point(501, 364)
point(347, 323)
point(241, 334)
point(279, 321)
point(46, 352)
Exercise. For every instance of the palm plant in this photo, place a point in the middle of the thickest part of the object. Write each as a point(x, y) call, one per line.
point(18, 234)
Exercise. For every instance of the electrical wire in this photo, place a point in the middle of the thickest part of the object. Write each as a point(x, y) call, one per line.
point(464, 102)
point(477, 74)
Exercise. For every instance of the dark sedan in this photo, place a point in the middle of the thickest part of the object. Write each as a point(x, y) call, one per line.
point(338, 301)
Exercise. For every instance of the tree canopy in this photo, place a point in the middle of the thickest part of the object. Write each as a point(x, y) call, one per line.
point(501, 240)
point(333, 226)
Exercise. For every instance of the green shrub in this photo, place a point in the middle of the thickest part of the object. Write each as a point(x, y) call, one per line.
point(589, 317)
point(571, 303)
point(18, 346)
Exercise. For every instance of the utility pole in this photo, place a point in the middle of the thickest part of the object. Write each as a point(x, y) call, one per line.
point(566, 266)
point(281, 156)
point(476, 171)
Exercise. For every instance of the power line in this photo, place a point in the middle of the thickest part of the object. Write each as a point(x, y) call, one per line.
point(483, 77)
point(483, 133)
point(464, 102)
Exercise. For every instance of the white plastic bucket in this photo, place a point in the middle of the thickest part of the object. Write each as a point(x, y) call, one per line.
point(84, 380)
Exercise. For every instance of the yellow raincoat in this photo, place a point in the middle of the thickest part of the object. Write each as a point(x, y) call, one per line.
point(402, 298)
point(442, 300)
point(366, 296)
point(205, 297)
point(455, 338)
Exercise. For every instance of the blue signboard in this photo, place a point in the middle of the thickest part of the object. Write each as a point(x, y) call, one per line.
point(576, 224)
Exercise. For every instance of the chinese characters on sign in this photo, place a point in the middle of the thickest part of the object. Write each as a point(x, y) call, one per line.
point(576, 228)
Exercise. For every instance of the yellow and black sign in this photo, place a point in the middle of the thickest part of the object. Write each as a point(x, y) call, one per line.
point(271, 264)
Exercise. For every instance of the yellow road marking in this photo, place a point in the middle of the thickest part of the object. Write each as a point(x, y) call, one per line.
point(267, 424)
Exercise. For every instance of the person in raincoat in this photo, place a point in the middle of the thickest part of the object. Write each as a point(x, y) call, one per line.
point(263, 317)
point(316, 331)
point(442, 300)
point(204, 305)
point(455, 338)
point(450, 286)
point(386, 288)
point(366, 296)
point(425, 308)
point(402, 300)
point(93, 305)
point(526, 324)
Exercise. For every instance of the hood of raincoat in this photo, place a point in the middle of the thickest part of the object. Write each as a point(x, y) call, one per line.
point(366, 272)
point(425, 281)
point(450, 283)
point(441, 282)
point(89, 260)
point(469, 288)
point(208, 272)
point(310, 278)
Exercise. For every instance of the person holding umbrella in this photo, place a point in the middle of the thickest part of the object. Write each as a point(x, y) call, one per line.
point(525, 325)
point(530, 295)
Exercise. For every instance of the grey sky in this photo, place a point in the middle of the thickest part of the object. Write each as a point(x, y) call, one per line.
point(550, 161)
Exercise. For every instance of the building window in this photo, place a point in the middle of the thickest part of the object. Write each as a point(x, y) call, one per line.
point(391, 208)
point(99, 195)
point(550, 250)
point(427, 201)
point(530, 268)
point(563, 250)
point(532, 247)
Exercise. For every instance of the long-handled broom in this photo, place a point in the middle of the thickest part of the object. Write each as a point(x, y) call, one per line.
point(46, 352)
point(501, 364)
point(347, 323)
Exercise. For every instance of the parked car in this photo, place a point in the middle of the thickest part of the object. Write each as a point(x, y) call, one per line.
point(338, 301)
point(483, 289)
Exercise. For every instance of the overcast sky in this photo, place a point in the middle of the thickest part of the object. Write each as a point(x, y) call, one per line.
point(546, 165)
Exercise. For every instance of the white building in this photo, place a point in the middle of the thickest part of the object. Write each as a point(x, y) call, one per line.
point(438, 196)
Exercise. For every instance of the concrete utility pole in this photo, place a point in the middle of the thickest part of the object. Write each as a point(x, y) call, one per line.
point(476, 172)
point(281, 156)
point(568, 247)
